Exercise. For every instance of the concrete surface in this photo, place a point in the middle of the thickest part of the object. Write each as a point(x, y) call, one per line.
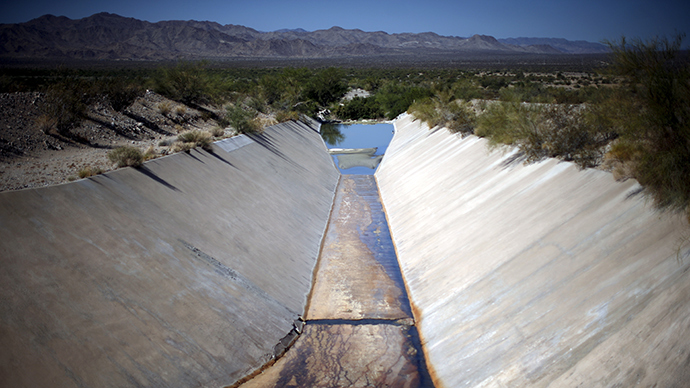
point(534, 275)
point(346, 355)
point(183, 273)
point(358, 275)
point(359, 330)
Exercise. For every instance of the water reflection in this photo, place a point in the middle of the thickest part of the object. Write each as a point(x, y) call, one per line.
point(357, 148)
point(331, 134)
point(356, 157)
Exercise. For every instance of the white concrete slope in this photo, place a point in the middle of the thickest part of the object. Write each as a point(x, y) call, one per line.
point(185, 272)
point(534, 275)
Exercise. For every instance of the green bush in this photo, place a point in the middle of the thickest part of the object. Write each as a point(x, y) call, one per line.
point(654, 123)
point(540, 131)
point(188, 83)
point(284, 116)
point(360, 108)
point(327, 86)
point(395, 98)
point(126, 156)
point(455, 115)
point(242, 120)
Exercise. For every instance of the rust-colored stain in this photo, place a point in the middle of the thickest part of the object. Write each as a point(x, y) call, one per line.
point(345, 355)
point(360, 329)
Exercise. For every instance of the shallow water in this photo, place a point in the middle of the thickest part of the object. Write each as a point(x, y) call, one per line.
point(359, 329)
point(358, 136)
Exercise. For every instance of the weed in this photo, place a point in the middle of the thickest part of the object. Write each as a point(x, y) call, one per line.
point(284, 116)
point(126, 156)
point(180, 110)
point(196, 138)
point(242, 120)
point(217, 131)
point(89, 171)
point(150, 153)
point(164, 108)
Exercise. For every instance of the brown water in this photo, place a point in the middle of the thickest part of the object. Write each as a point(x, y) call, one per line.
point(359, 328)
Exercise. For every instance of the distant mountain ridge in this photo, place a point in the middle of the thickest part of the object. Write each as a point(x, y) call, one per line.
point(563, 45)
point(113, 37)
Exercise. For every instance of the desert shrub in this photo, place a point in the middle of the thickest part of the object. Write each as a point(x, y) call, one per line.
point(126, 156)
point(540, 131)
point(460, 118)
point(217, 131)
point(164, 108)
point(180, 110)
point(466, 89)
point(179, 146)
point(89, 171)
point(45, 123)
point(197, 138)
point(150, 153)
point(654, 122)
point(120, 91)
point(455, 115)
point(65, 105)
point(187, 82)
point(395, 99)
point(359, 108)
point(284, 116)
point(326, 86)
point(242, 120)
point(530, 92)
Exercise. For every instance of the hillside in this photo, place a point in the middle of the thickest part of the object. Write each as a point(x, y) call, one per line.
point(106, 36)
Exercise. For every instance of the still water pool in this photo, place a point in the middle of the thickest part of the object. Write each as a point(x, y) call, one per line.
point(357, 148)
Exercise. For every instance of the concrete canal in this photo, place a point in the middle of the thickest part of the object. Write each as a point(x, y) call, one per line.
point(359, 329)
point(261, 258)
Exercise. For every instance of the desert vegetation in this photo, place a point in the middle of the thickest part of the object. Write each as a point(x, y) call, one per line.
point(640, 127)
point(628, 113)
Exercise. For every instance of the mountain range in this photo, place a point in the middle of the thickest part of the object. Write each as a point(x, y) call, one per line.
point(108, 36)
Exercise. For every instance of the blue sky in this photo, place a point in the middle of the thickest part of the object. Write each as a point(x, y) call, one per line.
point(591, 20)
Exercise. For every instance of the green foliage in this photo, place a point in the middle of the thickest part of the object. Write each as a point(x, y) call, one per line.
point(655, 126)
point(540, 131)
point(466, 89)
point(360, 108)
point(327, 86)
point(188, 83)
point(455, 115)
point(395, 98)
point(331, 134)
point(284, 116)
point(242, 120)
point(126, 156)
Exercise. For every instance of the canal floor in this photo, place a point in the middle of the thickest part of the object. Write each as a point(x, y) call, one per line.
point(359, 329)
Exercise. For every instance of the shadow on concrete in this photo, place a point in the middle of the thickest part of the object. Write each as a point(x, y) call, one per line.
point(156, 178)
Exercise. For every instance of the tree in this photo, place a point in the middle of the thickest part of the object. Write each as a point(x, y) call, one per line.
point(327, 86)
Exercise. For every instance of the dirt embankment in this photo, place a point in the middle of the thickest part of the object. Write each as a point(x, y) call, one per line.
point(31, 156)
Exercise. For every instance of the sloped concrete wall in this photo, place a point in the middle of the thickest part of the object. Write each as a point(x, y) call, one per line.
point(534, 275)
point(183, 273)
